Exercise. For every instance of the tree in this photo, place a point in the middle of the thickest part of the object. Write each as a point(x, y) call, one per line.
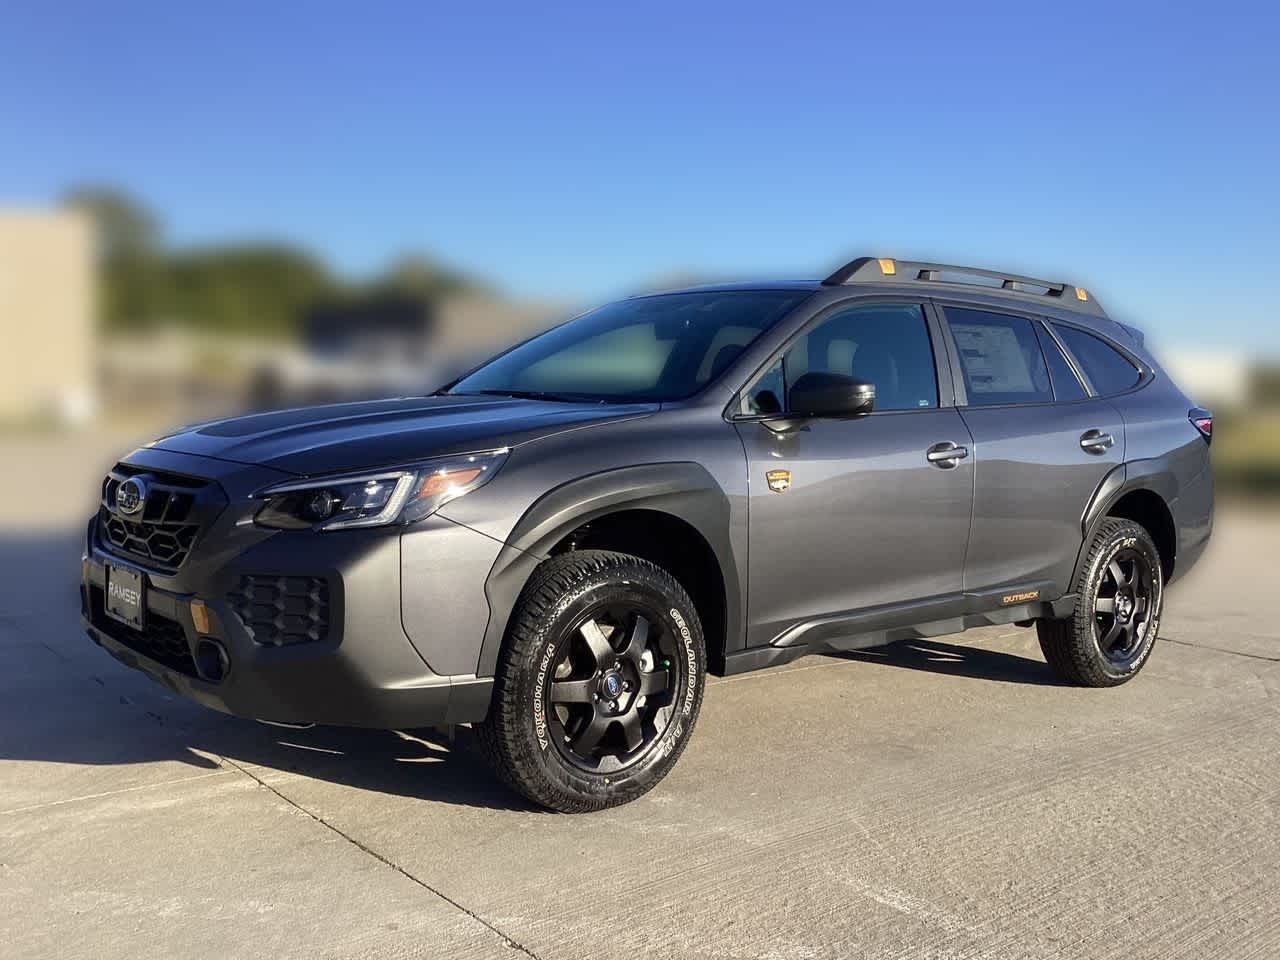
point(416, 275)
point(260, 289)
point(125, 228)
point(128, 239)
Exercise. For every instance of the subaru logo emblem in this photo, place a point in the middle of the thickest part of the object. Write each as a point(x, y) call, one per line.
point(131, 495)
point(612, 685)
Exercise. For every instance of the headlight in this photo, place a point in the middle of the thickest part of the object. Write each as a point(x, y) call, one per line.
point(399, 495)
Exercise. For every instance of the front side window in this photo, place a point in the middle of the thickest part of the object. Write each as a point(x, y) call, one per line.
point(1000, 357)
point(1106, 367)
point(659, 348)
point(884, 344)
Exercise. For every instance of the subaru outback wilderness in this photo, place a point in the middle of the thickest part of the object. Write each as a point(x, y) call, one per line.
point(558, 546)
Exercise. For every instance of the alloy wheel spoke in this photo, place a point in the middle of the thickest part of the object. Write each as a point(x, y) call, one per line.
point(1117, 574)
point(572, 691)
point(633, 729)
point(638, 640)
point(601, 651)
point(1127, 638)
point(1108, 642)
point(1105, 605)
point(590, 736)
point(651, 683)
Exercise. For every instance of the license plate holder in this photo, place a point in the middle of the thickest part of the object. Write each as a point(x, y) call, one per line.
point(126, 596)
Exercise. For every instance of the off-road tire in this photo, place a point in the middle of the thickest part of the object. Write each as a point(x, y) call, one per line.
point(516, 736)
point(1072, 646)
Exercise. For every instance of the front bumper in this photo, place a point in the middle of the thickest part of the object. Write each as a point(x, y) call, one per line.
point(360, 670)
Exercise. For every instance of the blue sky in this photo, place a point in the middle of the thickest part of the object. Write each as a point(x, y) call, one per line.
point(577, 151)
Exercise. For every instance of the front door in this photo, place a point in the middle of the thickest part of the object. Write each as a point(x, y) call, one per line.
point(851, 514)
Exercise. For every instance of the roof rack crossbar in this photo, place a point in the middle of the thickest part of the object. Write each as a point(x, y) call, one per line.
point(880, 270)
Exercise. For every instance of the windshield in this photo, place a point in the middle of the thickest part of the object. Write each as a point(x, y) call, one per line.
point(657, 348)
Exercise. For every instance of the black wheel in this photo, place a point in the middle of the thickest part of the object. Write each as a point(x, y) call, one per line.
point(1119, 593)
point(599, 684)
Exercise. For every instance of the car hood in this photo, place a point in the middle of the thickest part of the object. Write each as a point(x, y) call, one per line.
point(354, 436)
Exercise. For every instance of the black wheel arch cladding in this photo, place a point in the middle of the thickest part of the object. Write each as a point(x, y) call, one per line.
point(683, 490)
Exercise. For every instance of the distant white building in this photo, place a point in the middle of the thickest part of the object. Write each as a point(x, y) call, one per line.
point(46, 316)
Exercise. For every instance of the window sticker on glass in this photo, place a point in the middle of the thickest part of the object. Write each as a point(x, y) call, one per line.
point(1000, 356)
point(993, 360)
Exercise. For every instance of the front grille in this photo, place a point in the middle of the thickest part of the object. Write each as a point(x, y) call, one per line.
point(163, 531)
point(166, 544)
point(162, 640)
point(283, 610)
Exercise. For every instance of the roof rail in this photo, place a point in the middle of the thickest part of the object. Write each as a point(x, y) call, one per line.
point(882, 269)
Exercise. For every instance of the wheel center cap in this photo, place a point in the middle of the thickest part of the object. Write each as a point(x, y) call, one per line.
point(611, 685)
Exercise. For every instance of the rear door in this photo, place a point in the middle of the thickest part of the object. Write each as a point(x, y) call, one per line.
point(1042, 444)
point(847, 514)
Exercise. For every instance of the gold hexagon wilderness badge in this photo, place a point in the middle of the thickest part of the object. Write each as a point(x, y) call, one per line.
point(779, 480)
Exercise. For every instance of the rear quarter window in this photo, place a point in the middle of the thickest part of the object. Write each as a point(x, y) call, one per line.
point(1109, 370)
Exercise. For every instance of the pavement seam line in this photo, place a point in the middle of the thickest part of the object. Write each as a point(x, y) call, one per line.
point(1206, 646)
point(114, 793)
point(506, 940)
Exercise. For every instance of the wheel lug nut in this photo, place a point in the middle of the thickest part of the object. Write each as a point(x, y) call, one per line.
point(595, 696)
point(626, 685)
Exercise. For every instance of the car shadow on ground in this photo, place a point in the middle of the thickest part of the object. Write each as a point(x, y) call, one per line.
point(427, 764)
point(980, 663)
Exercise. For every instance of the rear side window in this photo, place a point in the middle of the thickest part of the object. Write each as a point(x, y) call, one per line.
point(1001, 358)
point(1066, 385)
point(1107, 368)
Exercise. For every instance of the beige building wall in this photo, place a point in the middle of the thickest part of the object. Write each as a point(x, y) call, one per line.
point(46, 315)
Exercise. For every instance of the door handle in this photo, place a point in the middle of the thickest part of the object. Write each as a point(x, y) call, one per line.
point(1095, 441)
point(946, 454)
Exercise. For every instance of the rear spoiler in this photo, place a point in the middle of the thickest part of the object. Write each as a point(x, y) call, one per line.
point(1138, 336)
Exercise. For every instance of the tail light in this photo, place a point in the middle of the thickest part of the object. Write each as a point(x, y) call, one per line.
point(1202, 420)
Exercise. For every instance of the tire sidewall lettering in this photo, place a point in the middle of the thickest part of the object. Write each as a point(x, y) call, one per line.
point(691, 666)
point(539, 695)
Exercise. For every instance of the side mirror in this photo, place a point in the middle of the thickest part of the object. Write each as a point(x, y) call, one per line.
point(831, 395)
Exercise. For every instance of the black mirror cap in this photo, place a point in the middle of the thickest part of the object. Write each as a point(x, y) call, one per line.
point(831, 395)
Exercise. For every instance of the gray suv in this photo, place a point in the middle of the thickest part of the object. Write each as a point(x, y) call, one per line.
point(558, 546)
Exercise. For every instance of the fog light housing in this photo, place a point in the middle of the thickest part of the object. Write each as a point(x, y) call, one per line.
point(212, 662)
